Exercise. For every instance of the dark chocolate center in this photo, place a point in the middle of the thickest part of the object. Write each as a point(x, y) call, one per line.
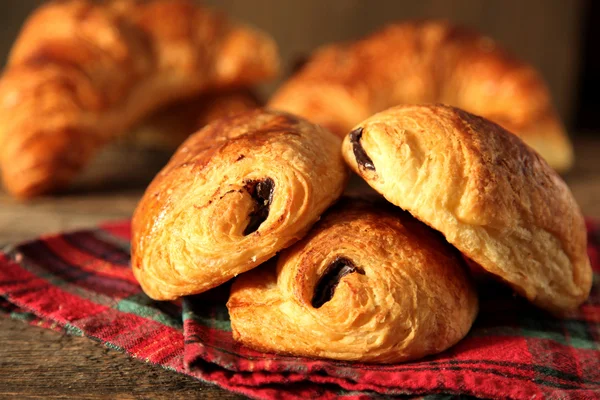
point(262, 194)
point(361, 156)
point(326, 285)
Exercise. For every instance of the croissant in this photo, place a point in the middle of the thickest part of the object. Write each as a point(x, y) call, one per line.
point(168, 127)
point(82, 72)
point(494, 198)
point(366, 284)
point(233, 195)
point(426, 62)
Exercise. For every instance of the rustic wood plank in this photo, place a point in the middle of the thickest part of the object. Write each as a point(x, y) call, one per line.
point(39, 363)
point(584, 178)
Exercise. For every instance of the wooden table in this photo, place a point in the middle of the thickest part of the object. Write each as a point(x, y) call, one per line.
point(37, 363)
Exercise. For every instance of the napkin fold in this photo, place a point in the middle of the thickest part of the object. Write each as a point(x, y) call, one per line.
point(81, 283)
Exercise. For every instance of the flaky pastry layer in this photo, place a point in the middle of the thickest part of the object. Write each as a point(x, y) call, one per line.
point(368, 283)
point(492, 196)
point(233, 195)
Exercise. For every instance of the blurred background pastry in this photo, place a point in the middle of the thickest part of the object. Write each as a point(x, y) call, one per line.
point(82, 73)
point(417, 62)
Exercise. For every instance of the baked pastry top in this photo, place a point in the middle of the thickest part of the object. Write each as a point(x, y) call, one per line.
point(233, 195)
point(368, 283)
point(426, 62)
point(492, 196)
point(83, 72)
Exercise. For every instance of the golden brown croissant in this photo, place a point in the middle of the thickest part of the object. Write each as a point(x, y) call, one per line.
point(82, 72)
point(366, 284)
point(233, 195)
point(491, 196)
point(167, 128)
point(426, 62)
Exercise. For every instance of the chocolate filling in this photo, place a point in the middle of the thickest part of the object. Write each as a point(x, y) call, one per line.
point(325, 288)
point(262, 194)
point(361, 156)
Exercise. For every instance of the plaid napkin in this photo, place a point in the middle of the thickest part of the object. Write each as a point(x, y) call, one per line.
point(81, 283)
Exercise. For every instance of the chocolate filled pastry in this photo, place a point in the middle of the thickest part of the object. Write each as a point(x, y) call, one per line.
point(493, 197)
point(427, 62)
point(167, 128)
point(368, 283)
point(83, 72)
point(233, 195)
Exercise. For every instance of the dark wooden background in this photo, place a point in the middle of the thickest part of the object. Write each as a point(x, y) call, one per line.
point(547, 33)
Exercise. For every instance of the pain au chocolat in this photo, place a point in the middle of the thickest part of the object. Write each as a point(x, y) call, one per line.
point(83, 72)
point(233, 195)
point(427, 62)
point(491, 195)
point(368, 283)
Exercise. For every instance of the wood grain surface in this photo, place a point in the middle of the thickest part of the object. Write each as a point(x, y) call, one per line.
point(37, 363)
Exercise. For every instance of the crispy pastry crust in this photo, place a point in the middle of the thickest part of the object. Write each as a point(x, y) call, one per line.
point(82, 72)
point(408, 296)
point(493, 198)
point(427, 62)
point(232, 196)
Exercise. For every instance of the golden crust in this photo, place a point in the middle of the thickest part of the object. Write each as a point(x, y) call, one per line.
point(233, 195)
point(82, 72)
point(493, 198)
point(406, 295)
point(426, 62)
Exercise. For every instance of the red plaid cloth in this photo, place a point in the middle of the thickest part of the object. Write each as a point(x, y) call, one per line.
point(81, 283)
